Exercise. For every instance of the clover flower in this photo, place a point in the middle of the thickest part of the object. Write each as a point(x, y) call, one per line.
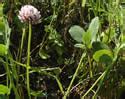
point(28, 13)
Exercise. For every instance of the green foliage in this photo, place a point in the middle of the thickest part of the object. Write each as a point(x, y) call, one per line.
point(43, 54)
point(103, 56)
point(2, 26)
point(4, 90)
point(83, 3)
point(93, 29)
point(98, 46)
point(38, 93)
point(3, 50)
point(77, 33)
point(59, 59)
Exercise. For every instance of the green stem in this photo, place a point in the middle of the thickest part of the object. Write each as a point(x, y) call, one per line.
point(58, 82)
point(19, 60)
point(103, 75)
point(10, 82)
point(8, 78)
point(19, 64)
point(22, 42)
point(90, 66)
point(28, 60)
point(93, 85)
point(74, 76)
point(107, 71)
point(60, 85)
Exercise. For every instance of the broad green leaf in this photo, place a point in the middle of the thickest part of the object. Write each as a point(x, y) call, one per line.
point(4, 89)
point(2, 26)
point(83, 3)
point(87, 39)
point(43, 54)
point(3, 50)
point(93, 28)
point(104, 56)
point(98, 46)
point(76, 33)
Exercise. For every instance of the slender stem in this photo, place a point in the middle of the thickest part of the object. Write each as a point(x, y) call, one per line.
point(8, 78)
point(93, 85)
point(90, 66)
point(107, 71)
point(19, 55)
point(60, 85)
point(28, 61)
point(19, 64)
point(29, 45)
point(74, 76)
point(22, 42)
point(10, 82)
point(103, 75)
point(58, 82)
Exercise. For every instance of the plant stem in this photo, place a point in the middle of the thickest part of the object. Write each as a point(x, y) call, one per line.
point(90, 66)
point(103, 75)
point(60, 85)
point(107, 71)
point(28, 60)
point(93, 85)
point(19, 56)
point(8, 78)
point(74, 76)
point(10, 82)
point(22, 42)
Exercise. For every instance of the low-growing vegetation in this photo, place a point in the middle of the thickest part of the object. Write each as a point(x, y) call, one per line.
point(62, 49)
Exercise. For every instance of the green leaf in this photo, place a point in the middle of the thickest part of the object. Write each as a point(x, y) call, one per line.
point(4, 89)
point(104, 37)
point(38, 93)
point(43, 54)
point(2, 26)
point(93, 28)
point(98, 46)
point(109, 33)
point(60, 60)
point(3, 50)
point(76, 33)
point(83, 3)
point(56, 71)
point(1, 38)
point(79, 45)
point(1, 9)
point(104, 56)
point(87, 39)
point(59, 50)
point(3, 97)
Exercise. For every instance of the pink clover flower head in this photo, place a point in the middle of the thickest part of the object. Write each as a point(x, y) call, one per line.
point(29, 13)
